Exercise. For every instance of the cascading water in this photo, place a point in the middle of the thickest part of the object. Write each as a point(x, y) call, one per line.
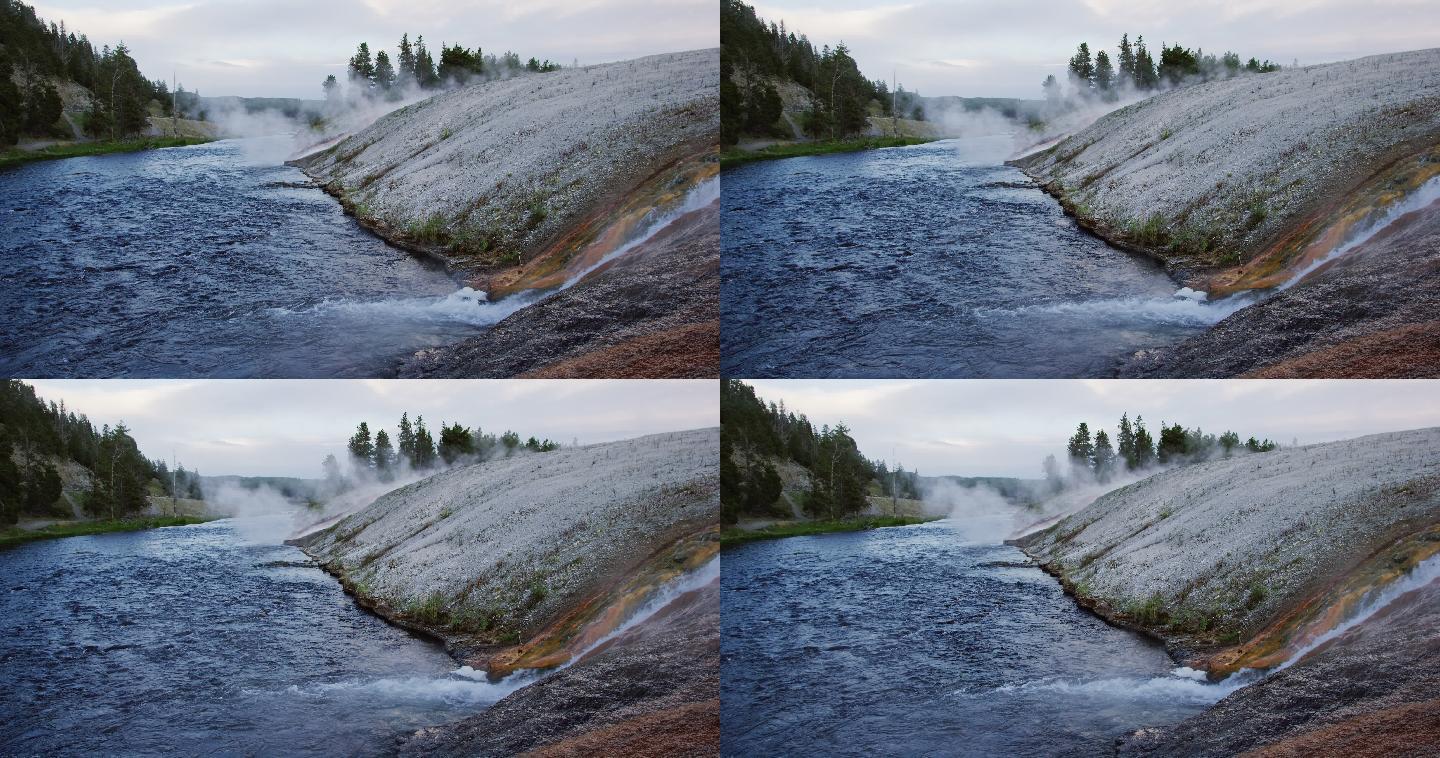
point(1423, 196)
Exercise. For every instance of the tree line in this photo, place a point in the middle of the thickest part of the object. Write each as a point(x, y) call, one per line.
point(38, 438)
point(41, 52)
point(1135, 449)
point(415, 66)
point(755, 436)
point(414, 448)
point(753, 52)
point(1136, 69)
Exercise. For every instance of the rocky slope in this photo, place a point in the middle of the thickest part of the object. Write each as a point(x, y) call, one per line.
point(1217, 553)
point(652, 313)
point(524, 184)
point(1372, 692)
point(1249, 183)
point(1372, 313)
point(600, 560)
point(510, 560)
point(652, 691)
point(1256, 561)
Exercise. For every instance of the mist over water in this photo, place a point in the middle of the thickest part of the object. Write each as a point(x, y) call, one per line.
point(207, 639)
point(928, 640)
point(933, 260)
point(209, 260)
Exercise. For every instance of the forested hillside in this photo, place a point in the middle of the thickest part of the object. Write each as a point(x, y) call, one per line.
point(55, 83)
point(50, 457)
point(757, 438)
point(756, 55)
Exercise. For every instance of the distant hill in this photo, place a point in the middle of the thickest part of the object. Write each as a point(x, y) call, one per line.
point(54, 462)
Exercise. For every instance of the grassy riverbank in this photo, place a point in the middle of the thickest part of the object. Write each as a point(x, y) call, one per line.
point(735, 156)
point(14, 536)
point(735, 536)
point(16, 156)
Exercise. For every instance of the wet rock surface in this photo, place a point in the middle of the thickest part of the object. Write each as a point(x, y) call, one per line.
point(652, 691)
point(1372, 313)
point(655, 312)
point(1370, 692)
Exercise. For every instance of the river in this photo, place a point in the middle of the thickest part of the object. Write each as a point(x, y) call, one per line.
point(929, 261)
point(214, 260)
point(207, 639)
point(925, 641)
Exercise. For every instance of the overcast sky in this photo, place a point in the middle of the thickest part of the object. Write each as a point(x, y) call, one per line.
point(1005, 48)
point(1007, 427)
point(274, 427)
point(285, 48)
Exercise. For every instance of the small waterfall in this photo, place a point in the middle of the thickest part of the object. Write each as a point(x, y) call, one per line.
point(1426, 194)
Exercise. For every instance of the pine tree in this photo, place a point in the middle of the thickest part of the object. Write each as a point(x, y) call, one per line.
point(362, 449)
point(1081, 68)
point(1144, 445)
point(405, 76)
point(456, 442)
point(383, 456)
point(425, 75)
point(406, 440)
point(1127, 61)
point(331, 469)
point(424, 454)
point(384, 72)
point(1103, 458)
point(1145, 76)
point(1125, 440)
point(1104, 74)
point(1080, 449)
point(362, 69)
point(332, 89)
point(1053, 480)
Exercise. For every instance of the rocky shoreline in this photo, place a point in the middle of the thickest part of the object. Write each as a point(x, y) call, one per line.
point(1241, 185)
point(521, 184)
point(536, 561)
point(1249, 563)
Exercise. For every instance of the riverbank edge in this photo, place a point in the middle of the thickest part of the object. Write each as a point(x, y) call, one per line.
point(736, 536)
point(734, 156)
point(11, 536)
point(469, 648)
point(15, 157)
point(1181, 270)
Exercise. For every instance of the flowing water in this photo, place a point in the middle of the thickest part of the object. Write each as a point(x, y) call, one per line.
point(211, 260)
point(208, 639)
point(933, 260)
point(921, 641)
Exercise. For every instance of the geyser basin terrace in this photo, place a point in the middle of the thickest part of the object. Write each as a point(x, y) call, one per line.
point(1152, 591)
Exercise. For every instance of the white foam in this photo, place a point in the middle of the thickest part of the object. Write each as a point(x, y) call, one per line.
point(1181, 685)
point(464, 686)
point(1186, 307)
point(1426, 194)
point(473, 307)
